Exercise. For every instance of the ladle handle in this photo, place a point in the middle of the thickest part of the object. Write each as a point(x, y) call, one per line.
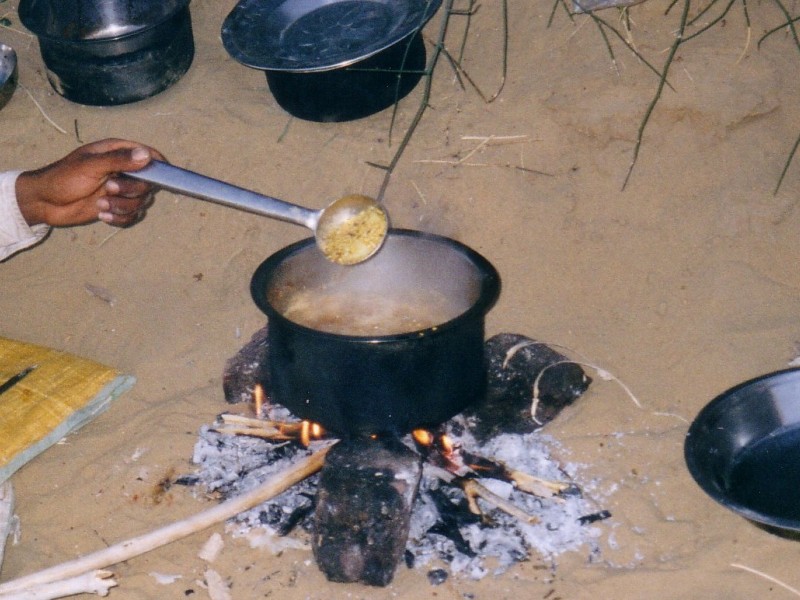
point(206, 188)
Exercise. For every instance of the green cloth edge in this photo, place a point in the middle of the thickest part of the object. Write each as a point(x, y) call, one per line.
point(97, 405)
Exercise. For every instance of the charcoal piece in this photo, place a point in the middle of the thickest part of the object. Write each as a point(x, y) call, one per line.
point(452, 516)
point(364, 499)
point(594, 517)
point(437, 576)
point(514, 363)
point(244, 370)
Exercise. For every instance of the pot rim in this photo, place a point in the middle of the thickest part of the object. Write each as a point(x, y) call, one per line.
point(36, 25)
point(489, 293)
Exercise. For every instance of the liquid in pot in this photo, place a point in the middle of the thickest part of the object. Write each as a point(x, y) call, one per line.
point(368, 314)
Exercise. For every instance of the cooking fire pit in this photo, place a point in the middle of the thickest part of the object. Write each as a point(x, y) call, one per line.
point(477, 489)
point(385, 363)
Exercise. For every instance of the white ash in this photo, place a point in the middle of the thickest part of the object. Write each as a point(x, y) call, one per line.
point(230, 465)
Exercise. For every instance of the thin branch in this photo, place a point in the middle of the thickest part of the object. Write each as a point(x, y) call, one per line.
point(712, 23)
point(676, 44)
point(423, 105)
point(775, 30)
point(696, 18)
point(628, 45)
point(788, 162)
point(789, 22)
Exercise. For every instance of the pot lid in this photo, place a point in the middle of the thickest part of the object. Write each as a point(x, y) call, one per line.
point(305, 36)
point(87, 20)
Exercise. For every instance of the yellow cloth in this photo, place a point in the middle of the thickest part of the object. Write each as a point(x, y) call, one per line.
point(63, 393)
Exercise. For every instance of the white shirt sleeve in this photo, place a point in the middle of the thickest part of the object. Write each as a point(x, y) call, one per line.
point(15, 233)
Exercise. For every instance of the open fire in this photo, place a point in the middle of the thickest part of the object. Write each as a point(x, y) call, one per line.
point(476, 495)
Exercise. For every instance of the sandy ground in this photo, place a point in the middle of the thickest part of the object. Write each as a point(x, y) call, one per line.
point(682, 284)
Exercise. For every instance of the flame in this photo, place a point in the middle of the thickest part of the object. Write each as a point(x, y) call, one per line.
point(423, 437)
point(303, 432)
point(446, 445)
point(258, 399)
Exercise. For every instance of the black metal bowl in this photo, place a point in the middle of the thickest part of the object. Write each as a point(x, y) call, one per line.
point(743, 449)
point(308, 36)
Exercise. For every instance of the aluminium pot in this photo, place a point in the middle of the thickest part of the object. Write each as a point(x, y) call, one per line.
point(111, 52)
point(391, 380)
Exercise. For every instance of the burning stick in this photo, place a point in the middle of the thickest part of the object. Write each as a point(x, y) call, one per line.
point(301, 431)
point(160, 537)
point(524, 482)
point(462, 463)
point(474, 490)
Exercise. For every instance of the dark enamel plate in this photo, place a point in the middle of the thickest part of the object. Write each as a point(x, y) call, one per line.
point(306, 36)
point(743, 449)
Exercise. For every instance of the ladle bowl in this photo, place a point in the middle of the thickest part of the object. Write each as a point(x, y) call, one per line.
point(348, 231)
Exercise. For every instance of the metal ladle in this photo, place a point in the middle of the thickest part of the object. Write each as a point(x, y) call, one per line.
point(348, 231)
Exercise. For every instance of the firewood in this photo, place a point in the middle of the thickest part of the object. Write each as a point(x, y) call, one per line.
point(160, 537)
point(364, 501)
point(247, 369)
point(93, 582)
point(528, 385)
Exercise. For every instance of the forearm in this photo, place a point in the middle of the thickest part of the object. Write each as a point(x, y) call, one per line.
point(15, 233)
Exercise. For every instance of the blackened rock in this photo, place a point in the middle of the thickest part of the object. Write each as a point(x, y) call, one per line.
point(514, 362)
point(244, 370)
point(364, 500)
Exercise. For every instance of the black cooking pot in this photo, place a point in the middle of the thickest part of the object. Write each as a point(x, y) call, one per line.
point(388, 345)
point(111, 52)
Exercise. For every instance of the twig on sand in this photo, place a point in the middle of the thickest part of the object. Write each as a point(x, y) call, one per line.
point(767, 577)
point(160, 537)
point(483, 142)
point(439, 50)
point(788, 162)
point(41, 110)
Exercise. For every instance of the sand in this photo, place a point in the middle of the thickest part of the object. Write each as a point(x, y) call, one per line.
point(681, 285)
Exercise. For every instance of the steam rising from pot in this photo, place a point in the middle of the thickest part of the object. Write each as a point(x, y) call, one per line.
point(406, 287)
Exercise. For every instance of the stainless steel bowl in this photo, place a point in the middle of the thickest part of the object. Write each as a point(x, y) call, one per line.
point(8, 73)
point(110, 52)
point(743, 449)
point(86, 20)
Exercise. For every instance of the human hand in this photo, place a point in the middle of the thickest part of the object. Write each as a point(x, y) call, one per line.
point(86, 186)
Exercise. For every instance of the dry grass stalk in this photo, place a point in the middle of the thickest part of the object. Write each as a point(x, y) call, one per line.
point(767, 577)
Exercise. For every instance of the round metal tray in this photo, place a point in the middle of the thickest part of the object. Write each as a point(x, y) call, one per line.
point(306, 36)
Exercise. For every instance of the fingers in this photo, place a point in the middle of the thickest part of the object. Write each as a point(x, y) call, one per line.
point(121, 211)
point(125, 200)
point(108, 157)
